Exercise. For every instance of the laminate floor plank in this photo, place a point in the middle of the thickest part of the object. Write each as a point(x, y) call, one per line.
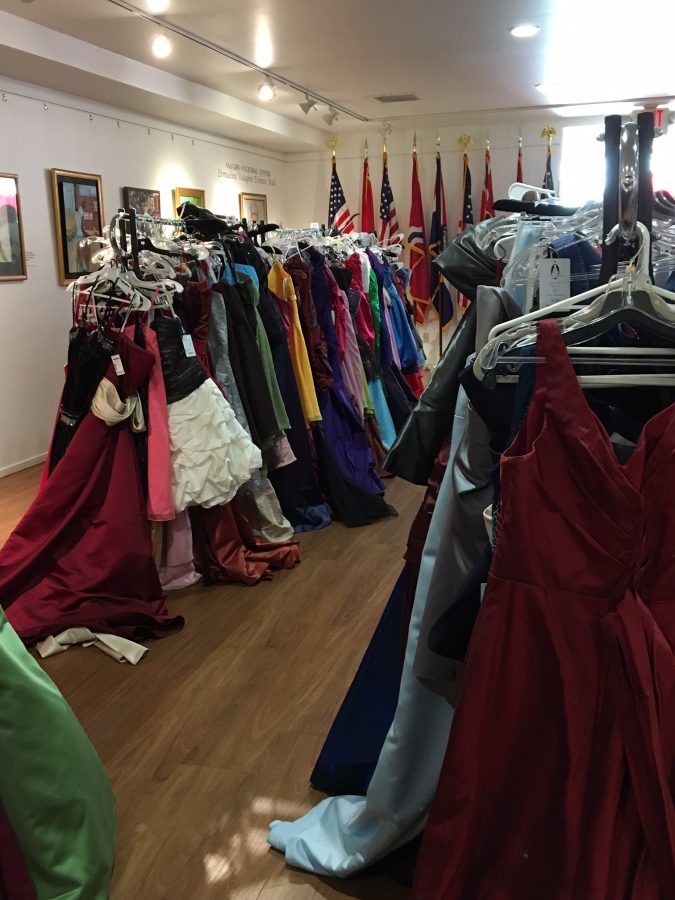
point(214, 734)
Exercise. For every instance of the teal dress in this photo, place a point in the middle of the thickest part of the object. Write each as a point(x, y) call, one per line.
point(53, 788)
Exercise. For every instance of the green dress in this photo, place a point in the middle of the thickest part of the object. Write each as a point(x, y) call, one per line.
point(53, 787)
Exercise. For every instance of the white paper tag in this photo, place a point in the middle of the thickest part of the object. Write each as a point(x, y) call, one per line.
point(189, 346)
point(554, 281)
point(117, 364)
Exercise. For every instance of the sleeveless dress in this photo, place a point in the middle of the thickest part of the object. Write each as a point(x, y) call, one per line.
point(559, 774)
point(82, 553)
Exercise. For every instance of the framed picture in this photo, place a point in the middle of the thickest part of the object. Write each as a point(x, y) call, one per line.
point(253, 208)
point(78, 213)
point(188, 195)
point(12, 250)
point(146, 202)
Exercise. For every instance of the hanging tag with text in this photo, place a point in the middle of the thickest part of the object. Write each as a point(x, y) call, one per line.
point(554, 281)
point(188, 345)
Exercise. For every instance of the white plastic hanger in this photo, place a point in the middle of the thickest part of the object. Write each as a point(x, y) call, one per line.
point(630, 286)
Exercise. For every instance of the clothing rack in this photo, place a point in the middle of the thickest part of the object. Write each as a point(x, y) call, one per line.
point(130, 242)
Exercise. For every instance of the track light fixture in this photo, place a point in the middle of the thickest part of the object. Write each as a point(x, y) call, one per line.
point(267, 90)
point(308, 105)
point(331, 116)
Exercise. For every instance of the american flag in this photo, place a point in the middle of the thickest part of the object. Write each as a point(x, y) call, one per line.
point(338, 211)
point(388, 217)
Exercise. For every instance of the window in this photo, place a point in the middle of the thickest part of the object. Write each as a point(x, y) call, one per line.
point(582, 165)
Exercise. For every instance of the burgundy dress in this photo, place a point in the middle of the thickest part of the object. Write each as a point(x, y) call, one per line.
point(82, 553)
point(560, 770)
point(15, 883)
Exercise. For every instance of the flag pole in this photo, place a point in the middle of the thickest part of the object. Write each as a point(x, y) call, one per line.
point(548, 134)
point(440, 295)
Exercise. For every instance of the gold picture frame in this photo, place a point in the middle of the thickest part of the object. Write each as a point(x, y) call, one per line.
point(253, 208)
point(78, 213)
point(188, 195)
point(12, 246)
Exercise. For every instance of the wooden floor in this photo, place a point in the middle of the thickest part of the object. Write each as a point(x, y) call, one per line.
point(215, 733)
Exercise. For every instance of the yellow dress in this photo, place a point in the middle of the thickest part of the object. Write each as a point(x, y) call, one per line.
point(281, 285)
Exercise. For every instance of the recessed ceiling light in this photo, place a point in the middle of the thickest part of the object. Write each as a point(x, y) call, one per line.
point(267, 91)
point(161, 46)
point(525, 31)
point(157, 6)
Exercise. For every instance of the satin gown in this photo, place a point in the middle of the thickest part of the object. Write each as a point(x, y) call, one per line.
point(559, 776)
point(82, 553)
point(57, 812)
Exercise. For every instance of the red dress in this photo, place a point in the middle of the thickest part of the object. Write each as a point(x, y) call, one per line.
point(559, 776)
point(82, 553)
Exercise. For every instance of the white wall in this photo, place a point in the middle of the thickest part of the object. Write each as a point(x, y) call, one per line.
point(35, 314)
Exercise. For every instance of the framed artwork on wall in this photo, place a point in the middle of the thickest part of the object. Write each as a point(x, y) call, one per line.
point(188, 195)
point(145, 201)
point(253, 208)
point(12, 249)
point(78, 213)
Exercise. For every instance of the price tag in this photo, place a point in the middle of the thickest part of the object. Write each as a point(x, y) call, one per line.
point(554, 281)
point(117, 364)
point(188, 345)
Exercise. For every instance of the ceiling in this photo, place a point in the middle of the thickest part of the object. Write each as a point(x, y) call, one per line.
point(457, 57)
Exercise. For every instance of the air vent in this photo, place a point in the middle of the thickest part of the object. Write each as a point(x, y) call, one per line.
point(398, 98)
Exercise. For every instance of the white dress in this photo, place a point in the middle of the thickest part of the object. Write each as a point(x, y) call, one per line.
point(211, 454)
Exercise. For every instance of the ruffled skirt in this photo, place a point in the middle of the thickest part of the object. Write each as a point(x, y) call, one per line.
point(211, 454)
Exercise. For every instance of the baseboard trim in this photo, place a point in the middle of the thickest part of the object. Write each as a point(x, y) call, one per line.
point(24, 464)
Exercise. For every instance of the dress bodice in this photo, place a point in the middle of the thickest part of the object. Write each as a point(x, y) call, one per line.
point(589, 535)
point(182, 374)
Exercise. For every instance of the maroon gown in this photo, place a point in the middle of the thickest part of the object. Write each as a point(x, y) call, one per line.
point(560, 770)
point(15, 883)
point(82, 554)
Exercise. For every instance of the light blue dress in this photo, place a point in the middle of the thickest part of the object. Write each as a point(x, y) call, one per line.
point(344, 834)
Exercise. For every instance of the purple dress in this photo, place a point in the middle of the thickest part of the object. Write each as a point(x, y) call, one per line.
point(343, 431)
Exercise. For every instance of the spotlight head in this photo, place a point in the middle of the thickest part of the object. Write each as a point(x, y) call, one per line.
point(331, 116)
point(308, 105)
point(157, 7)
point(267, 90)
point(161, 46)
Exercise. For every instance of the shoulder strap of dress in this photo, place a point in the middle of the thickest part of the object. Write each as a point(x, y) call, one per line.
point(558, 367)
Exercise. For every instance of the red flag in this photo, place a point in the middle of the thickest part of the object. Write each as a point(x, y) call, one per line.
point(519, 169)
point(367, 212)
point(487, 200)
point(419, 285)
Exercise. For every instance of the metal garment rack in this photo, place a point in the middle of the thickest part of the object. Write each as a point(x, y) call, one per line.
point(129, 241)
